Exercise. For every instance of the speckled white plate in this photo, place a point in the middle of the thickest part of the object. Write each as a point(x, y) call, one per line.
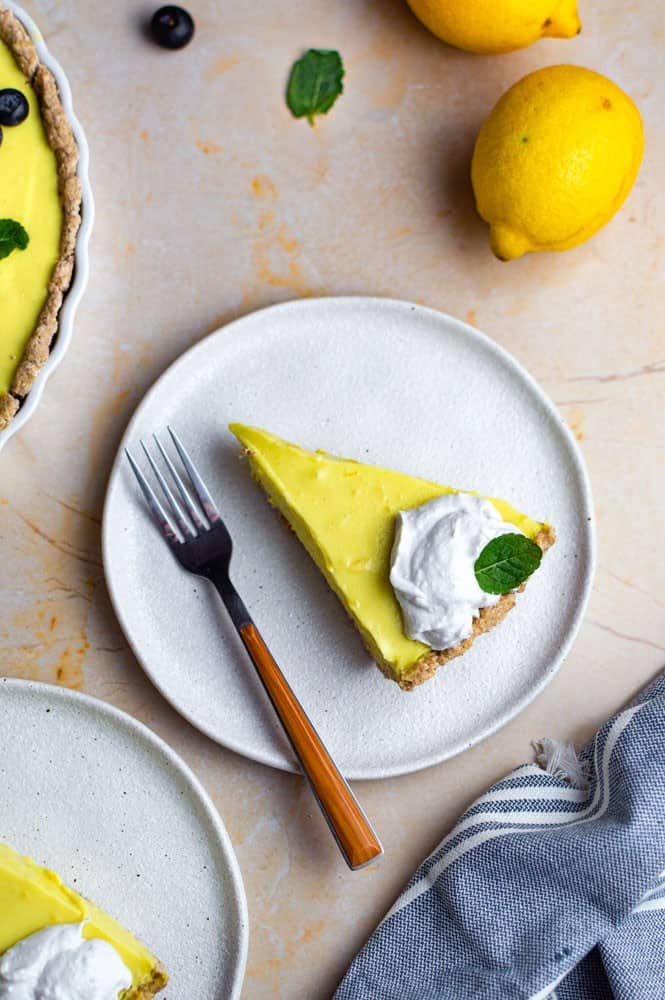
point(92, 793)
point(82, 267)
point(385, 382)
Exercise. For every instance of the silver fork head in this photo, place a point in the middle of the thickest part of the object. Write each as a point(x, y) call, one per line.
point(196, 534)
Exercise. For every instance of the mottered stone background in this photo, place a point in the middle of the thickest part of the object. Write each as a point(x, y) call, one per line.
point(211, 202)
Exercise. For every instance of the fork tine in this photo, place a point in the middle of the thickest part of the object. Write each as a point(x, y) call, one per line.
point(180, 520)
point(156, 509)
point(182, 489)
point(208, 504)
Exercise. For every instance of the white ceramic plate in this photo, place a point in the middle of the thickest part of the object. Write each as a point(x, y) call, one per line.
point(81, 265)
point(385, 382)
point(95, 795)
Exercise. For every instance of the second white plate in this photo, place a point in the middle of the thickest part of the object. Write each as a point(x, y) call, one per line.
point(384, 382)
point(92, 793)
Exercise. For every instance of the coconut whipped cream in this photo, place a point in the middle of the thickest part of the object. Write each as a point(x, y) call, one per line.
point(433, 558)
point(58, 963)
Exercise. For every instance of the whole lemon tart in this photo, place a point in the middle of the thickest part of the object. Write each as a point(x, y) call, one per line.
point(33, 899)
point(40, 212)
point(345, 512)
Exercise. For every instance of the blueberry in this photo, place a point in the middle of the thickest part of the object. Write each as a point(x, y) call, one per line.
point(172, 27)
point(13, 107)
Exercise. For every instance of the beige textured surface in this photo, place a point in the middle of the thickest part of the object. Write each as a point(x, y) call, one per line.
point(211, 201)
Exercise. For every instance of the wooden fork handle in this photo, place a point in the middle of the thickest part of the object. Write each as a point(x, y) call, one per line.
point(347, 821)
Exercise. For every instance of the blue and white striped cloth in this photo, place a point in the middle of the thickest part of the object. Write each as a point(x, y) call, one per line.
point(544, 889)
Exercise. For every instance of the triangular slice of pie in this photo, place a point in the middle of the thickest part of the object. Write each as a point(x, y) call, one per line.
point(33, 898)
point(344, 513)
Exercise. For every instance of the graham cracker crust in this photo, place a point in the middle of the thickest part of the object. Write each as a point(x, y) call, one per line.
point(427, 666)
point(151, 988)
point(61, 140)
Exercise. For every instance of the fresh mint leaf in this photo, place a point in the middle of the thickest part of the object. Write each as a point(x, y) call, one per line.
point(12, 237)
point(506, 562)
point(315, 83)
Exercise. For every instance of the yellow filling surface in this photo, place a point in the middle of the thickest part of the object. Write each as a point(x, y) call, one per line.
point(29, 195)
point(32, 898)
point(344, 514)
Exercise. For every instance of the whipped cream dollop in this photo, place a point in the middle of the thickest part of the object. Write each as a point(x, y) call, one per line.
point(58, 963)
point(433, 558)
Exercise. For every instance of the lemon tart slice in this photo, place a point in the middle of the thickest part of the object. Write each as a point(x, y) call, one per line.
point(344, 513)
point(33, 898)
point(40, 198)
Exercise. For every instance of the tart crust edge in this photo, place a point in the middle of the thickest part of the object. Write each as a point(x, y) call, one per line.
point(488, 617)
point(151, 987)
point(60, 138)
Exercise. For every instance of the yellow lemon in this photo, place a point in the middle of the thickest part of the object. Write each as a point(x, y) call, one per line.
point(497, 25)
point(555, 159)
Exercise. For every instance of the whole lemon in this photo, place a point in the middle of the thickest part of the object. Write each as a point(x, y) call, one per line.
point(497, 25)
point(555, 159)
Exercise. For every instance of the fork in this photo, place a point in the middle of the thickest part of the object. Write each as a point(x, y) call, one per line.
point(203, 546)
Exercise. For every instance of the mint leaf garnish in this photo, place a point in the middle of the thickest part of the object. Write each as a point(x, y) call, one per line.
point(315, 83)
point(12, 237)
point(506, 562)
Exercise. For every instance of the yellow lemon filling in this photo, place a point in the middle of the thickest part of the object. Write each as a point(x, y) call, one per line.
point(29, 195)
point(344, 514)
point(32, 898)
